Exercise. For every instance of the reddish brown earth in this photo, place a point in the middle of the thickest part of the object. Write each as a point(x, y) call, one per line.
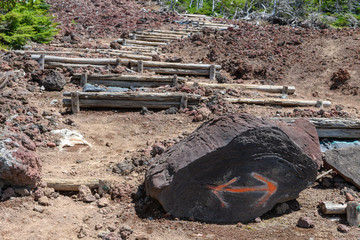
point(307, 59)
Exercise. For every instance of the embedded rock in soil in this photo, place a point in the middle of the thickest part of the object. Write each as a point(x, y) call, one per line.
point(339, 78)
point(232, 159)
point(50, 79)
point(346, 162)
point(19, 167)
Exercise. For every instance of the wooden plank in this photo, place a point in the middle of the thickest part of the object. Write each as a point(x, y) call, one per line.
point(52, 65)
point(85, 103)
point(117, 77)
point(70, 184)
point(137, 42)
point(128, 84)
point(340, 133)
point(170, 96)
point(263, 88)
point(75, 105)
point(173, 71)
point(280, 102)
point(328, 123)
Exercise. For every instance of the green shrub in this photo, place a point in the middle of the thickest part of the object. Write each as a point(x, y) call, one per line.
point(25, 22)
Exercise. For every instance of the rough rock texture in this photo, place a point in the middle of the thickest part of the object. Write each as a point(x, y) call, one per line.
point(304, 134)
point(346, 161)
point(19, 167)
point(230, 160)
point(50, 79)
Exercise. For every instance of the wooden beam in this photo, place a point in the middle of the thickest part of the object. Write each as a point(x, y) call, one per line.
point(117, 77)
point(75, 104)
point(126, 42)
point(280, 102)
point(263, 88)
point(70, 184)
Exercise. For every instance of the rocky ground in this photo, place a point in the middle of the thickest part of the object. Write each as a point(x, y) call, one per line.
point(322, 64)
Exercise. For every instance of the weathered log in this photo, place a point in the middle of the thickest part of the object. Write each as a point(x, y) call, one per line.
point(353, 213)
point(85, 103)
point(240, 168)
point(136, 42)
point(117, 77)
point(75, 104)
point(123, 55)
point(129, 84)
point(332, 208)
point(135, 96)
point(173, 71)
point(263, 88)
point(161, 35)
point(52, 65)
point(332, 128)
point(281, 102)
point(70, 184)
point(154, 39)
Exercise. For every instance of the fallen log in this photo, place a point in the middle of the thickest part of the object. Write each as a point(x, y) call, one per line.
point(264, 88)
point(280, 102)
point(332, 208)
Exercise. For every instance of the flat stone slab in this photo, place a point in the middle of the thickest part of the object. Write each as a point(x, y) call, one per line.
point(232, 168)
point(346, 162)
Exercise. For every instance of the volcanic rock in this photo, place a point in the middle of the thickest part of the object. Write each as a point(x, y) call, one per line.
point(232, 159)
point(50, 79)
point(346, 162)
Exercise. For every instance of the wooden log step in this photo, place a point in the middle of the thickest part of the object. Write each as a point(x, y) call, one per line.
point(127, 81)
point(280, 102)
point(150, 36)
point(53, 65)
point(328, 122)
point(162, 35)
point(150, 39)
point(113, 61)
point(126, 42)
point(122, 55)
point(130, 100)
point(172, 71)
point(166, 33)
point(332, 128)
point(116, 77)
point(60, 184)
point(135, 96)
point(264, 88)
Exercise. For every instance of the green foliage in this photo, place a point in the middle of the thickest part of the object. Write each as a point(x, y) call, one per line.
point(27, 21)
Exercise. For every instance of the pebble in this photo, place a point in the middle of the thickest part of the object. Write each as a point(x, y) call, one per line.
point(342, 228)
point(38, 208)
point(305, 222)
point(349, 197)
point(282, 208)
point(257, 220)
point(44, 201)
point(51, 144)
point(103, 202)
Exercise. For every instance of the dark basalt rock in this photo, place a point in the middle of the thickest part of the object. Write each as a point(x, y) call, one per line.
point(232, 168)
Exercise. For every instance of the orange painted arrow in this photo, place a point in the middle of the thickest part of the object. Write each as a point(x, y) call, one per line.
point(270, 188)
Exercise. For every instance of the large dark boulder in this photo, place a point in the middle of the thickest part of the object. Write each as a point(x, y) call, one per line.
point(346, 162)
point(232, 168)
point(51, 80)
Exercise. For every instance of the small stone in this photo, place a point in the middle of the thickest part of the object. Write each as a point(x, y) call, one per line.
point(111, 228)
point(103, 202)
point(44, 201)
point(85, 194)
point(48, 192)
point(239, 225)
point(257, 220)
point(111, 236)
point(82, 232)
point(38, 194)
point(305, 222)
point(125, 232)
point(98, 226)
point(7, 194)
point(349, 197)
point(22, 192)
point(282, 208)
point(51, 144)
point(342, 228)
point(97, 196)
point(38, 208)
